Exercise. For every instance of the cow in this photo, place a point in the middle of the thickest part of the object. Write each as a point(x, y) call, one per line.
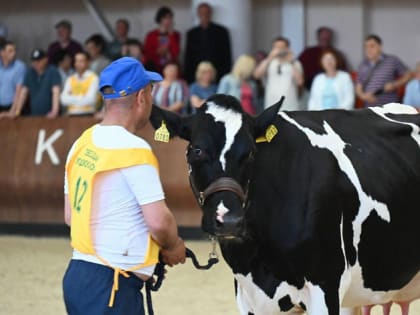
point(315, 212)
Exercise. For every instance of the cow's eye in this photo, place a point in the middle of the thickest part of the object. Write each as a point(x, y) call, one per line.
point(198, 152)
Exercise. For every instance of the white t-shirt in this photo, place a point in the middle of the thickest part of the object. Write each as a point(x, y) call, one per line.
point(279, 82)
point(119, 231)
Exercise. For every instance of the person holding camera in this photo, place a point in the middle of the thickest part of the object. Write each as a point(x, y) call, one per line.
point(379, 75)
point(283, 75)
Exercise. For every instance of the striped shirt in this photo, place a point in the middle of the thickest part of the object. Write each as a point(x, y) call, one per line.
point(386, 70)
point(164, 97)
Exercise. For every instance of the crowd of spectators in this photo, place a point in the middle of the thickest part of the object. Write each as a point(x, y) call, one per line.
point(63, 80)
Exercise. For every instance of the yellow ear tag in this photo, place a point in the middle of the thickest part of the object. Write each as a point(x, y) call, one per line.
point(270, 133)
point(162, 133)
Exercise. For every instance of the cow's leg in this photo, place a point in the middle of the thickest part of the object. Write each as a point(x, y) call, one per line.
point(366, 309)
point(405, 307)
point(386, 308)
point(243, 305)
point(320, 302)
point(350, 311)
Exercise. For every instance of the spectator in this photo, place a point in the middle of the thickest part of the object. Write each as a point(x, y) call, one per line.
point(95, 46)
point(379, 75)
point(163, 44)
point(240, 84)
point(133, 48)
point(12, 73)
point(171, 93)
point(283, 74)
point(259, 57)
point(412, 90)
point(80, 94)
point(64, 65)
point(204, 85)
point(122, 27)
point(208, 41)
point(64, 42)
point(311, 56)
point(333, 88)
point(42, 86)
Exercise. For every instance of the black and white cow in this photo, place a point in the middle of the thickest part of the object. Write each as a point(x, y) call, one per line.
point(322, 219)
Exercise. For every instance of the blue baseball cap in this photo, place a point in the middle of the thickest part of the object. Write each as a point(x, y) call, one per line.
point(125, 76)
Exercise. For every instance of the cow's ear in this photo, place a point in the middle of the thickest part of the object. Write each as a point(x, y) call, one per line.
point(266, 118)
point(177, 125)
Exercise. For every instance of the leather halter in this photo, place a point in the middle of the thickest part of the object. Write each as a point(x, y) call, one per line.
point(220, 184)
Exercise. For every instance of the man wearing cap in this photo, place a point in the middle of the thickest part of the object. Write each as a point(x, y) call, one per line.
point(114, 202)
point(64, 41)
point(41, 86)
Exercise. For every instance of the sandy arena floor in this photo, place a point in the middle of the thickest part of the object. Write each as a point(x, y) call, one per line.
point(31, 270)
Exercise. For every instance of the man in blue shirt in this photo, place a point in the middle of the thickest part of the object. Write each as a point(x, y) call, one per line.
point(42, 85)
point(412, 90)
point(12, 73)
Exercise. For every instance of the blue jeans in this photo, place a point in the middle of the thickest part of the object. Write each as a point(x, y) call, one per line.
point(87, 288)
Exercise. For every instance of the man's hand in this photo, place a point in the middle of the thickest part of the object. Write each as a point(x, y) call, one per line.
point(369, 97)
point(389, 87)
point(52, 114)
point(8, 115)
point(175, 255)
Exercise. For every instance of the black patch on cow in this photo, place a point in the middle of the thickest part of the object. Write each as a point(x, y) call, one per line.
point(249, 313)
point(285, 304)
point(302, 305)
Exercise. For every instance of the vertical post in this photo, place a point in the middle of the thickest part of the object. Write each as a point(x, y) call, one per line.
point(293, 24)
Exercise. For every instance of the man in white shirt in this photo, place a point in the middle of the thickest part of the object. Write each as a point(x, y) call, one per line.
point(126, 212)
point(80, 94)
point(283, 76)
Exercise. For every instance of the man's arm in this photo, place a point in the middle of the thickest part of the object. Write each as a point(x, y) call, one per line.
point(368, 97)
point(392, 86)
point(55, 102)
point(67, 210)
point(163, 228)
point(18, 102)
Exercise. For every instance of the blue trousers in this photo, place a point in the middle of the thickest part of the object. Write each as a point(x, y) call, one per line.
point(87, 288)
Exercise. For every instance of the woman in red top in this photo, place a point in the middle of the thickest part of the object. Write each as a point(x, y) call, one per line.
point(162, 45)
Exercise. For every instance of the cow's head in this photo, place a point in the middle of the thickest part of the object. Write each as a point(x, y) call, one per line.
point(220, 153)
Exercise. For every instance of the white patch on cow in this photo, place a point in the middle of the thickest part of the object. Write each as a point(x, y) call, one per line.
point(345, 278)
point(261, 303)
point(395, 108)
point(232, 121)
point(221, 211)
point(332, 142)
point(316, 305)
point(357, 294)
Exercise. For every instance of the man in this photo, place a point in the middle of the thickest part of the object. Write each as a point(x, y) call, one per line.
point(114, 202)
point(64, 65)
point(283, 75)
point(80, 93)
point(64, 41)
point(12, 73)
point(122, 27)
point(379, 75)
point(95, 46)
point(42, 86)
point(207, 42)
point(311, 56)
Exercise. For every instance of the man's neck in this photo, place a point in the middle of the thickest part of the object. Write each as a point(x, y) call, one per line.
point(205, 25)
point(375, 59)
point(6, 63)
point(81, 73)
point(121, 119)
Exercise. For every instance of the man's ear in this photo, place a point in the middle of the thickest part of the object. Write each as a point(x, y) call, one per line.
point(177, 125)
point(266, 118)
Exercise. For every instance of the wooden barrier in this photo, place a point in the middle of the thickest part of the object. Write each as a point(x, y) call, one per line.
point(32, 159)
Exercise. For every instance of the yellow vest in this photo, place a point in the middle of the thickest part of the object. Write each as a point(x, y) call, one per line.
point(87, 161)
point(79, 87)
